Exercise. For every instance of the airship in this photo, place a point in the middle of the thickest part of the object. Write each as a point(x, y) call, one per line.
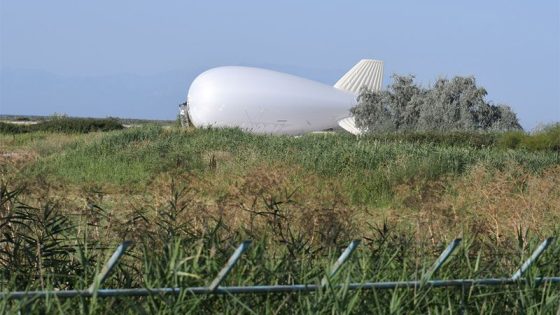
point(270, 102)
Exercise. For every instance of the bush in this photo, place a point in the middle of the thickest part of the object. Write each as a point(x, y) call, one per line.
point(468, 139)
point(64, 125)
point(451, 105)
point(511, 140)
point(546, 139)
point(7, 128)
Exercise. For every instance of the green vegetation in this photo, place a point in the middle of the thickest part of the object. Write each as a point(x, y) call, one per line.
point(188, 197)
point(138, 154)
point(63, 124)
point(456, 104)
point(546, 139)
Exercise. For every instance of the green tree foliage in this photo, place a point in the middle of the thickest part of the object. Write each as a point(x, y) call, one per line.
point(450, 105)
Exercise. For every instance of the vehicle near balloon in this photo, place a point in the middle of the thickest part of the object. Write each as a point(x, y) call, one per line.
point(270, 102)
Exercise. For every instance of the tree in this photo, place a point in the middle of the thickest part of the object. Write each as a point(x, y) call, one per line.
point(405, 101)
point(374, 113)
point(456, 104)
point(395, 109)
point(505, 119)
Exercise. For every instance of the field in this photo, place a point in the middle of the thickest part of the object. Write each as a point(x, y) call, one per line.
point(187, 198)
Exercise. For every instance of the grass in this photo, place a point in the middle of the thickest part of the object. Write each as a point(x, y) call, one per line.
point(63, 124)
point(188, 197)
point(136, 155)
point(546, 139)
point(171, 252)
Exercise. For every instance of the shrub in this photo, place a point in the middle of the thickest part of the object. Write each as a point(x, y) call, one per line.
point(511, 140)
point(469, 139)
point(65, 125)
point(451, 105)
point(7, 128)
point(546, 139)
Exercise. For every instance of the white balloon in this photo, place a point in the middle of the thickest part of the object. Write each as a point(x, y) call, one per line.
point(266, 101)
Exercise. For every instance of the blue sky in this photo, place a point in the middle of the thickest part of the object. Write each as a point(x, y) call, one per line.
point(137, 58)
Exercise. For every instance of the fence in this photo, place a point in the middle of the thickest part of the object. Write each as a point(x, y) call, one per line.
point(215, 288)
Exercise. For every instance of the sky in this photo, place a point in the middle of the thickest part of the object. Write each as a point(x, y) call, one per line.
point(136, 59)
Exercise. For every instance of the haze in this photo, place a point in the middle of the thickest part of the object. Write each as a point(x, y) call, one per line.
point(136, 59)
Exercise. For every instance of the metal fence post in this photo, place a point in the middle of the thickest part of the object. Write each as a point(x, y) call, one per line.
point(215, 288)
point(341, 260)
point(441, 259)
point(109, 265)
point(229, 265)
point(536, 254)
point(439, 262)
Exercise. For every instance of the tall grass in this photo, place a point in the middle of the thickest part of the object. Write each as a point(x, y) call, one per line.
point(546, 139)
point(50, 251)
point(187, 198)
point(139, 154)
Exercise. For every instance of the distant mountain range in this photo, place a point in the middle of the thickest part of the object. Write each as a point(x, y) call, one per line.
point(34, 92)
